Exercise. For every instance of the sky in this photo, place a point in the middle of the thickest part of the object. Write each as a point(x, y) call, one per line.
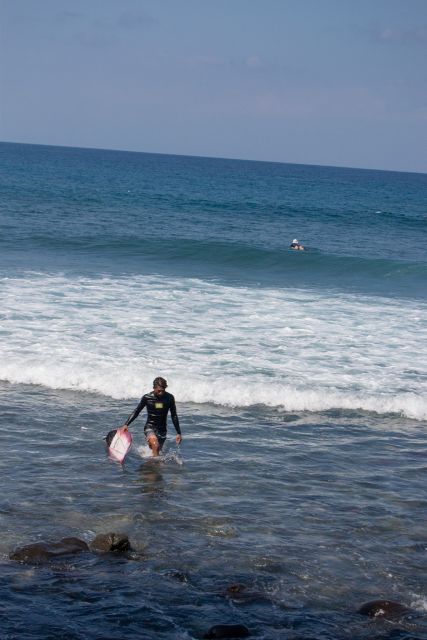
point(326, 82)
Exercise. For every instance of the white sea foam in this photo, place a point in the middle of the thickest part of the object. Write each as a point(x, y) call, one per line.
point(234, 346)
point(419, 603)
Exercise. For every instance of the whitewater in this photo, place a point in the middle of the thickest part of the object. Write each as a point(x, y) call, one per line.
point(236, 346)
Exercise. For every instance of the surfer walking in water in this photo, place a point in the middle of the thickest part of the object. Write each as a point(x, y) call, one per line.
point(158, 402)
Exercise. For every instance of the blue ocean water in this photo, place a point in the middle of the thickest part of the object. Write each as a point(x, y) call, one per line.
point(299, 376)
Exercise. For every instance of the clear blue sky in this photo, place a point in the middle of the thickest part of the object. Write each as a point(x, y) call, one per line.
point(335, 82)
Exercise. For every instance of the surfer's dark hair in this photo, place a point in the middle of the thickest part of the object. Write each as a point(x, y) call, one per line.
point(160, 382)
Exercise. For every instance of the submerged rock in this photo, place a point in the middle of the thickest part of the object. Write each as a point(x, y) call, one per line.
point(240, 593)
point(384, 609)
point(235, 589)
point(44, 551)
point(180, 576)
point(107, 542)
point(227, 631)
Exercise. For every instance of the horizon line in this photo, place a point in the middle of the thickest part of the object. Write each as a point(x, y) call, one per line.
point(232, 159)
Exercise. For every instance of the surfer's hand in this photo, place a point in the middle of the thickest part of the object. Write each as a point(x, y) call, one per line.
point(178, 439)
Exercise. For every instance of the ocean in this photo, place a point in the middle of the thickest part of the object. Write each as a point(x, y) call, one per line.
point(299, 377)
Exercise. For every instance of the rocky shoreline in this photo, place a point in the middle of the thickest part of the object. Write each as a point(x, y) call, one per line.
point(40, 553)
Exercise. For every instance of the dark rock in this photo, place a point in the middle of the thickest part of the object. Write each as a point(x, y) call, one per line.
point(384, 609)
point(106, 542)
point(44, 551)
point(227, 631)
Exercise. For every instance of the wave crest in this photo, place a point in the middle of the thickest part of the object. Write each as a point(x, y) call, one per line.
point(221, 391)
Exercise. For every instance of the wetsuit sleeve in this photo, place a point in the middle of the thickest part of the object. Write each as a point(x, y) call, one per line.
point(174, 416)
point(137, 411)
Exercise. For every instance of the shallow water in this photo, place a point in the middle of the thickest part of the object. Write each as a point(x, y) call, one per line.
point(314, 513)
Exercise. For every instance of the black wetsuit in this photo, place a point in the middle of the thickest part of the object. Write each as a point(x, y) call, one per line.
point(157, 412)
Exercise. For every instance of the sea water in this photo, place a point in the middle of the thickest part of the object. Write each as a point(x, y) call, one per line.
point(299, 377)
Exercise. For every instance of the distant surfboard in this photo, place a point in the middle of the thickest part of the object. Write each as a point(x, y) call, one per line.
point(119, 442)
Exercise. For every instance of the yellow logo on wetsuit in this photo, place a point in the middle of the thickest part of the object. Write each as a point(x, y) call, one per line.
point(159, 405)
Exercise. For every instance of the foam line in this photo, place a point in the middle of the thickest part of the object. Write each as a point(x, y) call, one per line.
point(236, 346)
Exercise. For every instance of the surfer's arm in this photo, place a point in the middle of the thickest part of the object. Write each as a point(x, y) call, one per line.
point(174, 416)
point(136, 412)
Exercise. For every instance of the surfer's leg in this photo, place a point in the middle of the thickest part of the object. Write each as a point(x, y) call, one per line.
point(161, 440)
point(153, 443)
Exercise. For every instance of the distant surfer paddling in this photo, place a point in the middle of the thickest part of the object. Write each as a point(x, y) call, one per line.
point(296, 245)
point(158, 402)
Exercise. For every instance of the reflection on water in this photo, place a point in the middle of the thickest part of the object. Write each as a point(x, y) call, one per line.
point(151, 478)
